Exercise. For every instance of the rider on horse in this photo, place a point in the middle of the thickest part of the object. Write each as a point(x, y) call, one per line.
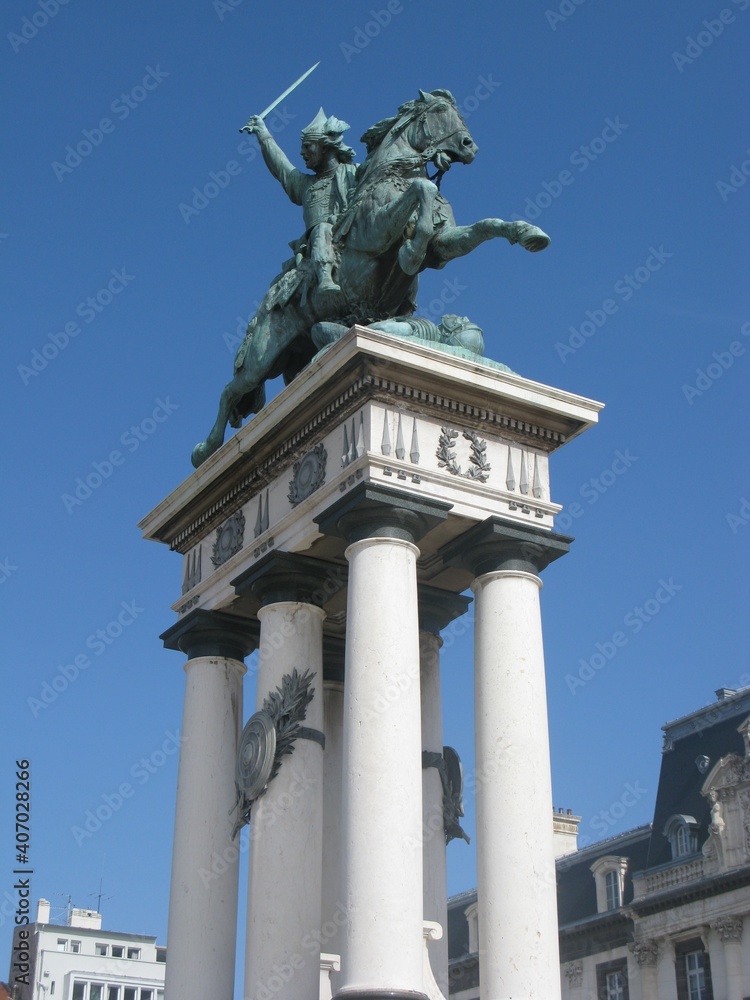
point(324, 194)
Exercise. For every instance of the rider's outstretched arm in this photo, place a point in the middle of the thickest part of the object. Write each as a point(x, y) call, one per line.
point(277, 161)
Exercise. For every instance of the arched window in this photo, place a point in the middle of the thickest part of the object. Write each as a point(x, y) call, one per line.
point(609, 873)
point(682, 833)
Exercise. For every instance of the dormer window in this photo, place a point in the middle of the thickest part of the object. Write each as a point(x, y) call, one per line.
point(682, 833)
point(609, 873)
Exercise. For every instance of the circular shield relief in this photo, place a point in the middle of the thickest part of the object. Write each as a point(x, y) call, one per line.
point(255, 755)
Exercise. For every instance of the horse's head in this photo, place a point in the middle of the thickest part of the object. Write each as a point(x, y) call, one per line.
point(439, 132)
point(431, 126)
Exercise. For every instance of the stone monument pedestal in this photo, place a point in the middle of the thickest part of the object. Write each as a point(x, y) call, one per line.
point(349, 515)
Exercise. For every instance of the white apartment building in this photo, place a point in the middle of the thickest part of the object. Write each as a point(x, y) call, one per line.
point(77, 960)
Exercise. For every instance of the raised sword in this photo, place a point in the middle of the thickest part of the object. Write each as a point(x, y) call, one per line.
point(277, 102)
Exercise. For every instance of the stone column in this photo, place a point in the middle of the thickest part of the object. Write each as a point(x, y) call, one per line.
point(516, 882)
point(436, 610)
point(646, 954)
point(729, 930)
point(205, 859)
point(382, 785)
point(282, 956)
point(333, 918)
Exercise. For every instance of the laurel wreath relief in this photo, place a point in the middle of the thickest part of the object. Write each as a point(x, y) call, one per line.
point(479, 468)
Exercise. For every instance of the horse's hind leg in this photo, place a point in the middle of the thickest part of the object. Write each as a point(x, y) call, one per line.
point(233, 392)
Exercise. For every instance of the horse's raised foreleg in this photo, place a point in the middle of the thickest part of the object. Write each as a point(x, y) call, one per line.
point(456, 241)
point(412, 254)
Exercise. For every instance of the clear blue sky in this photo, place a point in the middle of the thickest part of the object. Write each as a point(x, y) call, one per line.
point(618, 126)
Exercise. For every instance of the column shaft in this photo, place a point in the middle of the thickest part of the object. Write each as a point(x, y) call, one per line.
point(518, 943)
point(333, 915)
point(434, 871)
point(284, 894)
point(205, 860)
point(382, 791)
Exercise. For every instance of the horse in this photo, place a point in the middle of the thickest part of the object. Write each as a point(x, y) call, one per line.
point(396, 225)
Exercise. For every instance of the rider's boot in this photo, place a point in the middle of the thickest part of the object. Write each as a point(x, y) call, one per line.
point(325, 280)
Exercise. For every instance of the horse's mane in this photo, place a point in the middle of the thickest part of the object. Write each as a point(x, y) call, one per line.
point(373, 137)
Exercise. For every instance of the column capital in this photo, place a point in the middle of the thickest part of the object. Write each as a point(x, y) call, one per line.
point(212, 633)
point(645, 952)
point(728, 928)
point(496, 544)
point(288, 576)
point(372, 511)
point(438, 608)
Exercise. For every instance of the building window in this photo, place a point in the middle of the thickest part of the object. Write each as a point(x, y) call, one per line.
point(118, 951)
point(614, 890)
point(147, 995)
point(52, 988)
point(612, 980)
point(96, 991)
point(62, 944)
point(79, 990)
point(113, 993)
point(129, 992)
point(609, 873)
point(161, 954)
point(682, 833)
point(75, 947)
point(134, 952)
point(693, 971)
point(101, 949)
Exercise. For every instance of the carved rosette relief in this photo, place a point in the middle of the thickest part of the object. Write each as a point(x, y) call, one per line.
point(308, 475)
point(230, 537)
point(479, 467)
point(646, 953)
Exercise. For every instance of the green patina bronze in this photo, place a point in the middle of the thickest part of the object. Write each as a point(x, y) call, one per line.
point(369, 231)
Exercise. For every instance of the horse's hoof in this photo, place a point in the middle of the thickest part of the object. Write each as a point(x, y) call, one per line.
point(408, 260)
point(200, 454)
point(531, 238)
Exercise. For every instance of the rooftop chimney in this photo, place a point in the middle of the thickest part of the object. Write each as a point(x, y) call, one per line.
point(722, 693)
point(565, 832)
point(42, 911)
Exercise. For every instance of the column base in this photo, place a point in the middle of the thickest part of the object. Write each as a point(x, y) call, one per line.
point(368, 994)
